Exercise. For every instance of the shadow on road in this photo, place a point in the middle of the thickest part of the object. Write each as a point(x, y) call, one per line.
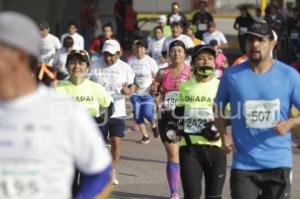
point(141, 160)
point(124, 195)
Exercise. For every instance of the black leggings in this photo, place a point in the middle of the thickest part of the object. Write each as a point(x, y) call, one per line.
point(196, 160)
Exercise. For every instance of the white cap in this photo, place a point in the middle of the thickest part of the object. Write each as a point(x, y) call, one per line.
point(19, 31)
point(162, 19)
point(112, 46)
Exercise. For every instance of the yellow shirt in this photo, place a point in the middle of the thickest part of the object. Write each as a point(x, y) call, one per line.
point(92, 95)
point(194, 96)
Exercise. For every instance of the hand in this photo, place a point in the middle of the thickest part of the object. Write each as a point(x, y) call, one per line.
point(282, 127)
point(154, 89)
point(125, 89)
point(227, 143)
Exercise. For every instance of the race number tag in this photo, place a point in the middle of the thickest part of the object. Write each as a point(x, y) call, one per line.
point(21, 181)
point(195, 119)
point(262, 113)
point(171, 99)
point(202, 26)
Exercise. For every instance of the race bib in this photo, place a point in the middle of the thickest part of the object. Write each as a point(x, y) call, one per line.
point(21, 180)
point(171, 99)
point(243, 30)
point(262, 113)
point(195, 119)
point(202, 26)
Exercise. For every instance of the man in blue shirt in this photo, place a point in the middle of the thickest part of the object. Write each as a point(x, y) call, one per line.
point(261, 92)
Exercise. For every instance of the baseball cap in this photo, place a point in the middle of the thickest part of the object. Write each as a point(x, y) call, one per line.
point(12, 26)
point(112, 46)
point(176, 43)
point(200, 48)
point(82, 54)
point(260, 29)
point(162, 19)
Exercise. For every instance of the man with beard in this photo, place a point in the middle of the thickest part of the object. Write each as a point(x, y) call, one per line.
point(261, 92)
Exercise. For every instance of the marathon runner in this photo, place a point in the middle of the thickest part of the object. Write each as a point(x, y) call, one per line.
point(167, 83)
point(92, 95)
point(44, 136)
point(145, 69)
point(261, 92)
point(200, 149)
point(117, 77)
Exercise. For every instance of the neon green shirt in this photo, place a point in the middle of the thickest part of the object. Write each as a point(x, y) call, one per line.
point(92, 95)
point(195, 96)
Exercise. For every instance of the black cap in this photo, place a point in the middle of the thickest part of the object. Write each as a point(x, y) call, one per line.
point(176, 43)
point(200, 48)
point(260, 29)
point(82, 54)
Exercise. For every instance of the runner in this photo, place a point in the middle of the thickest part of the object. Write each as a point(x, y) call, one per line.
point(156, 45)
point(145, 69)
point(60, 58)
point(117, 78)
point(72, 32)
point(92, 95)
point(261, 92)
point(47, 136)
point(49, 44)
point(167, 83)
point(200, 147)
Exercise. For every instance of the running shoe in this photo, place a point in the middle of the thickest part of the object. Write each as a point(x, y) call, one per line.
point(115, 181)
point(175, 196)
point(144, 140)
point(155, 132)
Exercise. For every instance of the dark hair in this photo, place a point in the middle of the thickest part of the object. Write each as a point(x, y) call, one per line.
point(158, 27)
point(175, 3)
point(44, 25)
point(72, 23)
point(108, 25)
point(177, 23)
point(68, 42)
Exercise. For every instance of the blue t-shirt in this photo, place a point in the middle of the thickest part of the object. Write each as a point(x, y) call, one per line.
point(257, 101)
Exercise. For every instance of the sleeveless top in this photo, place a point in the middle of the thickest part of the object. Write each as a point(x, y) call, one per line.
point(170, 82)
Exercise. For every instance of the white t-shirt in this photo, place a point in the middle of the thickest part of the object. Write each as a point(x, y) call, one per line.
point(77, 38)
point(155, 48)
point(48, 45)
point(60, 59)
point(43, 137)
point(217, 35)
point(184, 38)
point(112, 78)
point(145, 70)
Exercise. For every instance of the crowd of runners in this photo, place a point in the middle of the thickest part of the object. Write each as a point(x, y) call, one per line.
point(178, 81)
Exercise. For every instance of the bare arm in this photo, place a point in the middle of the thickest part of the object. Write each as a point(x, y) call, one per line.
point(220, 124)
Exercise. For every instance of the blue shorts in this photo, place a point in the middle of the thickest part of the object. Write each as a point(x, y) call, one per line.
point(115, 127)
point(142, 108)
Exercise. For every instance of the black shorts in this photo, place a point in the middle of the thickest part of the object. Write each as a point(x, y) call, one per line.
point(261, 184)
point(115, 127)
point(165, 118)
point(199, 160)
